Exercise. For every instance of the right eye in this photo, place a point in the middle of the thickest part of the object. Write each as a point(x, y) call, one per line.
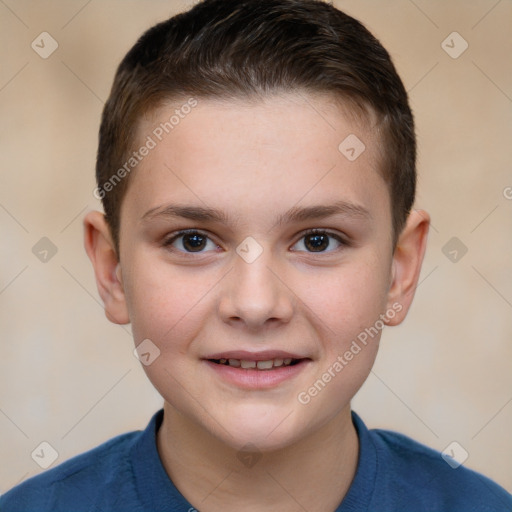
point(190, 241)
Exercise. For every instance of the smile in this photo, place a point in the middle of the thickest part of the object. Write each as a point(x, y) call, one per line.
point(256, 371)
point(256, 365)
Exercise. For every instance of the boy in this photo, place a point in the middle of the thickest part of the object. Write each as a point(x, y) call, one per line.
point(256, 165)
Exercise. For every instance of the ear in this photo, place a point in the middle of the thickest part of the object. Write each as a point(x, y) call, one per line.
point(107, 269)
point(406, 264)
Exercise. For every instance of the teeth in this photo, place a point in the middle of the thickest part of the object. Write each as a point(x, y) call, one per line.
point(264, 365)
point(260, 365)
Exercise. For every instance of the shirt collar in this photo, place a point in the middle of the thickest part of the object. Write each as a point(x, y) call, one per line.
point(154, 487)
point(156, 490)
point(361, 489)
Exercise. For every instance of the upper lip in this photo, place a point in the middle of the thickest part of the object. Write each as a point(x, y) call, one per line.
point(265, 355)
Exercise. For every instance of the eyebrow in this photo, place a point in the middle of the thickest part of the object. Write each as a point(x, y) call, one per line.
point(295, 214)
point(342, 208)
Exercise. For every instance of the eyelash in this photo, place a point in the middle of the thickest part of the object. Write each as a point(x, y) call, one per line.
point(343, 242)
point(171, 239)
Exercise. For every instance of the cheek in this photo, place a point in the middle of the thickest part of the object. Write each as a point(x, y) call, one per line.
point(167, 305)
point(347, 300)
point(346, 311)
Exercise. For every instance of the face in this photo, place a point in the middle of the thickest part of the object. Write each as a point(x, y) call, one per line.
point(255, 256)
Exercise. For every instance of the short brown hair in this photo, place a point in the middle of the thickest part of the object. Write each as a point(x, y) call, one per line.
point(246, 48)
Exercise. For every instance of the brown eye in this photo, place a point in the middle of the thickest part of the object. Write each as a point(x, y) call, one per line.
point(318, 241)
point(193, 241)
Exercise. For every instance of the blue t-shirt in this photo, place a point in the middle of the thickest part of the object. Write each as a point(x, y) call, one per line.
point(394, 473)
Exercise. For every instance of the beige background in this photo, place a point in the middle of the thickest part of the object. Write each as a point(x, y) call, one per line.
point(69, 377)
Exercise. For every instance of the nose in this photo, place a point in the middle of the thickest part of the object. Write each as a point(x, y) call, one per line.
point(255, 296)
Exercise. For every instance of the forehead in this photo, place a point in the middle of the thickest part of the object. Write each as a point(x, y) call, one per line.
point(253, 155)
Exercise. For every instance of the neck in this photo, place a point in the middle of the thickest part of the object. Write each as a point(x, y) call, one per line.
point(312, 474)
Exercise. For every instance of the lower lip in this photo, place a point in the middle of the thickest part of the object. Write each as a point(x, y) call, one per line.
point(257, 379)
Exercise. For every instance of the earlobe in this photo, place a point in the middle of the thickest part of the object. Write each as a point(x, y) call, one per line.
point(406, 265)
point(107, 269)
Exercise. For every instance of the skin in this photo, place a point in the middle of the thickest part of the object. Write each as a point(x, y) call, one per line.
point(255, 161)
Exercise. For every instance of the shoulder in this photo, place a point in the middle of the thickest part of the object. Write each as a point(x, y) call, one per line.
point(77, 482)
point(409, 471)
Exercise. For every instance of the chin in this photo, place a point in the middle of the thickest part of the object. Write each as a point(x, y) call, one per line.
point(267, 430)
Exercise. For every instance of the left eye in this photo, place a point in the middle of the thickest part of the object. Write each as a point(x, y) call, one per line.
point(192, 241)
point(318, 241)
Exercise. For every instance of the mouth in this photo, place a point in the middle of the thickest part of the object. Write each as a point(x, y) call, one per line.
point(260, 365)
point(257, 370)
